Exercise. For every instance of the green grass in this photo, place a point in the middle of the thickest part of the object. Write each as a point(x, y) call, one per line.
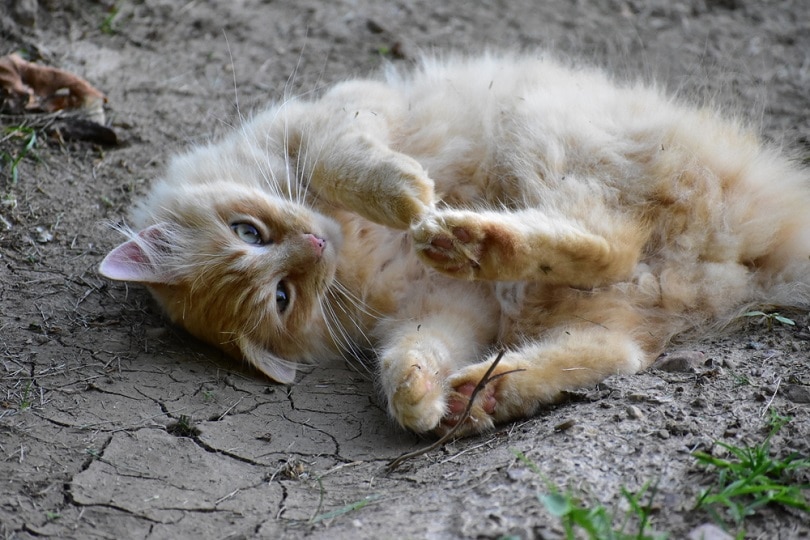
point(26, 402)
point(598, 522)
point(751, 478)
point(108, 25)
point(29, 138)
point(183, 427)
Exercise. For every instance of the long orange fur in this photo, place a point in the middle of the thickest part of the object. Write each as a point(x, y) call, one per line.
point(475, 204)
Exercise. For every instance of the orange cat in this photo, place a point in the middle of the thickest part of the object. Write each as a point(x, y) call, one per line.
point(473, 205)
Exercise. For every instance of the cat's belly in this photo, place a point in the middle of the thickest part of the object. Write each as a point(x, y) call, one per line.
point(510, 296)
point(385, 272)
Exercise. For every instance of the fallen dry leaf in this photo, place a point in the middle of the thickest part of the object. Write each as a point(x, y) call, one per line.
point(34, 87)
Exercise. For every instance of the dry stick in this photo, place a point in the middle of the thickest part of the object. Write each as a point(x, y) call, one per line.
point(486, 379)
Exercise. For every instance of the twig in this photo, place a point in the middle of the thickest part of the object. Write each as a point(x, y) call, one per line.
point(486, 379)
point(768, 405)
point(470, 449)
point(229, 409)
point(225, 497)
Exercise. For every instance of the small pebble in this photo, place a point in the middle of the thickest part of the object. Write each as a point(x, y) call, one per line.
point(518, 475)
point(709, 531)
point(563, 426)
point(700, 403)
point(25, 12)
point(797, 393)
point(43, 236)
point(634, 412)
point(680, 361)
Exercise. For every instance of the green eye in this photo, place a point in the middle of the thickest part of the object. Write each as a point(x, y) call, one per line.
point(247, 233)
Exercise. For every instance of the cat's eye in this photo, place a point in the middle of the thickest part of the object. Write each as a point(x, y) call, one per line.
point(282, 297)
point(247, 233)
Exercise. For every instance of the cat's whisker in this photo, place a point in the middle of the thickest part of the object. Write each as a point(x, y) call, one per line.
point(337, 333)
point(294, 194)
point(358, 303)
point(233, 75)
point(350, 316)
point(306, 166)
point(289, 83)
point(346, 350)
point(343, 340)
point(340, 296)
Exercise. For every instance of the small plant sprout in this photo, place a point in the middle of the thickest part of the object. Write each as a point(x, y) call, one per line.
point(108, 25)
point(29, 137)
point(769, 318)
point(183, 427)
point(25, 397)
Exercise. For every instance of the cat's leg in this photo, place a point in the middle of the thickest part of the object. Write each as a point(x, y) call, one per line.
point(420, 353)
point(538, 374)
point(369, 179)
point(527, 245)
point(413, 371)
point(343, 146)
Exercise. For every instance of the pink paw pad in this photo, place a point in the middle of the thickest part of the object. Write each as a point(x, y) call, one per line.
point(457, 405)
point(462, 234)
point(443, 248)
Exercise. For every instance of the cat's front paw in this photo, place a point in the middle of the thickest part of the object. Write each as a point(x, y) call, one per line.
point(452, 242)
point(403, 192)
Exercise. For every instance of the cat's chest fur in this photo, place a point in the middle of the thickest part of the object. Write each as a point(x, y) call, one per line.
point(381, 273)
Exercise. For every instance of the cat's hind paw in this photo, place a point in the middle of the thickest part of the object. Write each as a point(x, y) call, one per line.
point(486, 409)
point(480, 418)
point(418, 401)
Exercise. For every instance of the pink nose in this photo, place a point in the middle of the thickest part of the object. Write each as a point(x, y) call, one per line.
point(318, 244)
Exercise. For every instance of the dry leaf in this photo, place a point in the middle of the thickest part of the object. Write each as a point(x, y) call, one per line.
point(35, 87)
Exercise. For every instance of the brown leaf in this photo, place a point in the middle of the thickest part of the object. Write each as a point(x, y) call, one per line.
point(36, 87)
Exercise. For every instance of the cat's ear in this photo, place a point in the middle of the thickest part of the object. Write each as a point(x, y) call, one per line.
point(278, 369)
point(138, 259)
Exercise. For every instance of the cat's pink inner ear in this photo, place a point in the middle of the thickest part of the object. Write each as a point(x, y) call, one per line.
point(127, 262)
point(130, 262)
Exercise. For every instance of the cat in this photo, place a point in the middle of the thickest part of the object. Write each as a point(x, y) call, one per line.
point(471, 205)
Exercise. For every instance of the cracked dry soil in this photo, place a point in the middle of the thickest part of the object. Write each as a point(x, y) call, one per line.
point(113, 425)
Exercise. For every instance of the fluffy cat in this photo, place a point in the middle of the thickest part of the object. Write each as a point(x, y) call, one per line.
point(474, 204)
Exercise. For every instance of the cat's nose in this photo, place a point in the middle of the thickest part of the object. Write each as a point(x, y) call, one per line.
point(317, 243)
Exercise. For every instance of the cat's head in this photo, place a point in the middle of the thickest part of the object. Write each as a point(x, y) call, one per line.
point(237, 267)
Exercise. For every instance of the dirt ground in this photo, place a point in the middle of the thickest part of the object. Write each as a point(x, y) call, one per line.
point(114, 425)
